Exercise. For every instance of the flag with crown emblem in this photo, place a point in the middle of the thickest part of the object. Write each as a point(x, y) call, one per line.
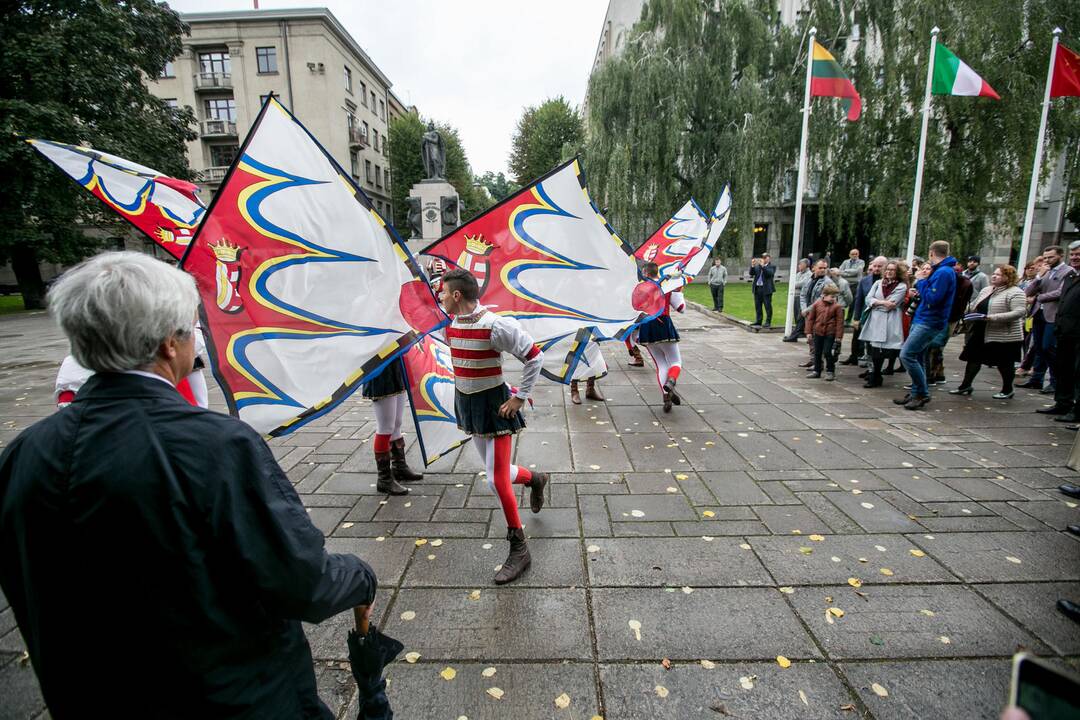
point(165, 209)
point(676, 240)
point(306, 292)
point(547, 257)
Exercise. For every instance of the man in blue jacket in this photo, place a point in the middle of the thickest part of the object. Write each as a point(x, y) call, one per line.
point(931, 317)
point(157, 558)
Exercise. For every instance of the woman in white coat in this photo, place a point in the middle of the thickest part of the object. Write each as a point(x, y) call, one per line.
point(883, 328)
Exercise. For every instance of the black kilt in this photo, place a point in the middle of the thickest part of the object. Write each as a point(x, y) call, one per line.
point(658, 330)
point(478, 413)
point(391, 381)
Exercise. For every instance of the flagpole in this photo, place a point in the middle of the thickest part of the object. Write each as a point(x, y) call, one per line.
point(1029, 215)
point(800, 186)
point(917, 197)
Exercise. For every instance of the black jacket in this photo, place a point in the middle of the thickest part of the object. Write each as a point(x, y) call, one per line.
point(767, 272)
point(1067, 322)
point(159, 561)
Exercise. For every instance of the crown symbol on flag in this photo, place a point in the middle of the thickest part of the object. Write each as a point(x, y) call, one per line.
point(224, 250)
point(477, 245)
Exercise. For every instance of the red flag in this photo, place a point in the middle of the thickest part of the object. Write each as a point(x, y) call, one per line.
point(1066, 79)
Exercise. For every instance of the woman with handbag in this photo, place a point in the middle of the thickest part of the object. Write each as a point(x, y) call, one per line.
point(882, 322)
point(995, 331)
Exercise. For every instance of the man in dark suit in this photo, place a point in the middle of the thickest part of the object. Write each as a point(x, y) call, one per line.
point(762, 276)
point(156, 557)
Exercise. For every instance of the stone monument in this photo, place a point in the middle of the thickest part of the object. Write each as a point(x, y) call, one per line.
point(434, 205)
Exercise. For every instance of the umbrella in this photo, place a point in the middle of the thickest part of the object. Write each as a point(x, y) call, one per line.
point(369, 652)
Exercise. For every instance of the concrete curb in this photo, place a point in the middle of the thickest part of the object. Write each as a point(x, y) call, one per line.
point(744, 324)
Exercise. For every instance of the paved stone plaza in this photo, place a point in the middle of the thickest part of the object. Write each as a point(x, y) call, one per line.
point(724, 532)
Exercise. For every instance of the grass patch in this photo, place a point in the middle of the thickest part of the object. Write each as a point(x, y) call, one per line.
point(10, 304)
point(739, 299)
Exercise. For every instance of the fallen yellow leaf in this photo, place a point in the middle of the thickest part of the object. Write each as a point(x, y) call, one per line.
point(886, 572)
point(436, 543)
point(836, 612)
point(709, 513)
point(854, 582)
point(408, 615)
point(817, 538)
point(474, 595)
point(747, 682)
point(661, 691)
point(802, 696)
point(495, 692)
point(682, 476)
point(635, 625)
point(411, 657)
point(593, 548)
point(945, 640)
point(787, 590)
point(927, 613)
point(562, 702)
point(1012, 559)
point(783, 661)
point(421, 541)
point(879, 690)
point(806, 550)
point(448, 673)
point(917, 553)
point(488, 672)
point(708, 664)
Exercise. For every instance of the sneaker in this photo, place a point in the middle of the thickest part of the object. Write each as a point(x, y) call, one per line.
point(830, 376)
point(813, 375)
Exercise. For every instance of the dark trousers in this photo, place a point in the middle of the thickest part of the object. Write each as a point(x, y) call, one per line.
point(1045, 344)
point(1068, 363)
point(717, 296)
point(856, 346)
point(762, 300)
point(823, 348)
point(1007, 372)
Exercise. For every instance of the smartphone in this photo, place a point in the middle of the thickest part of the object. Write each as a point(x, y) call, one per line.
point(1042, 690)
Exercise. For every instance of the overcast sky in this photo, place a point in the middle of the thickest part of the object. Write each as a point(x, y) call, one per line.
point(472, 63)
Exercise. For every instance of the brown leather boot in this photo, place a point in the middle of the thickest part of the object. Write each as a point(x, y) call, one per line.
point(536, 491)
point(400, 469)
point(669, 389)
point(575, 396)
point(517, 561)
point(591, 391)
point(386, 482)
point(635, 357)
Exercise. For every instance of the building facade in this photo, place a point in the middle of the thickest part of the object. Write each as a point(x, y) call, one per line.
point(233, 60)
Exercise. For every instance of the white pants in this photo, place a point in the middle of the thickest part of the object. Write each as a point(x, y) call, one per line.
point(389, 412)
point(665, 355)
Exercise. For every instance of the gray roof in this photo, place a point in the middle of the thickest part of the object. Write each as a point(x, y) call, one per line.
point(316, 13)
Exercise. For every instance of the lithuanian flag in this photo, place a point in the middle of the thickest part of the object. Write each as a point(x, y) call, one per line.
point(828, 80)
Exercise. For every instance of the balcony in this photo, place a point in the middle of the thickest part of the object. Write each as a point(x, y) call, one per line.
point(213, 81)
point(214, 175)
point(357, 139)
point(217, 128)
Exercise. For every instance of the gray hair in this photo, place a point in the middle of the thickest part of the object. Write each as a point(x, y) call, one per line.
point(118, 307)
point(1074, 245)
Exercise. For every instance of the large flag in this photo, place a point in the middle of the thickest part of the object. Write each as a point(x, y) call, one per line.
point(164, 208)
point(694, 262)
point(678, 238)
point(828, 80)
point(430, 380)
point(306, 294)
point(546, 257)
point(1066, 78)
point(953, 76)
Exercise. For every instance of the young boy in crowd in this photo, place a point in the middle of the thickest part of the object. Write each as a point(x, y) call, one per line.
point(825, 326)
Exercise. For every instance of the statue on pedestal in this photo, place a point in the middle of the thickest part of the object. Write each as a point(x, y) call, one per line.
point(433, 153)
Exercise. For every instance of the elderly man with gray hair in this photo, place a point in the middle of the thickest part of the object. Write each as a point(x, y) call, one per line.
point(134, 525)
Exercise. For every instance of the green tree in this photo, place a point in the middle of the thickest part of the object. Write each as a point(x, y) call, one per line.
point(407, 168)
point(75, 71)
point(545, 136)
point(706, 93)
point(498, 185)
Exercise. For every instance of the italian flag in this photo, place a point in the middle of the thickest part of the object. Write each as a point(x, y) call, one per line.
point(953, 76)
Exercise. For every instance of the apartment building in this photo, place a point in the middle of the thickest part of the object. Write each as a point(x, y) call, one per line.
point(233, 60)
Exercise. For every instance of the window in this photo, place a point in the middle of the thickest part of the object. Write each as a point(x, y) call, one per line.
point(171, 102)
point(221, 109)
point(378, 176)
point(761, 239)
point(375, 139)
point(168, 71)
point(363, 93)
point(348, 79)
point(372, 101)
point(364, 125)
point(382, 109)
point(350, 120)
point(263, 99)
point(214, 62)
point(386, 175)
point(354, 163)
point(367, 172)
point(266, 59)
point(222, 155)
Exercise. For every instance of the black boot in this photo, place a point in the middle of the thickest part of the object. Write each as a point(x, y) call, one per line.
point(387, 483)
point(669, 388)
point(400, 469)
point(517, 561)
point(536, 491)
